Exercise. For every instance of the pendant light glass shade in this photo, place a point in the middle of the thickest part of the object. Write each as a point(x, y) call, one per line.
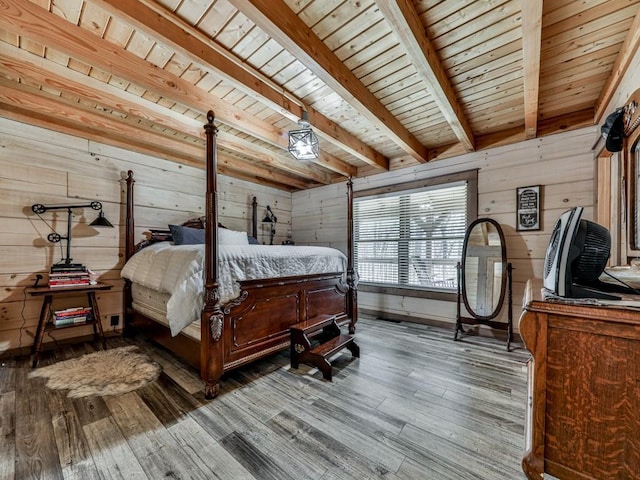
point(303, 143)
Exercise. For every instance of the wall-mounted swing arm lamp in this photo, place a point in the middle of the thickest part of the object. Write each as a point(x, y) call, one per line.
point(54, 237)
point(271, 219)
point(303, 143)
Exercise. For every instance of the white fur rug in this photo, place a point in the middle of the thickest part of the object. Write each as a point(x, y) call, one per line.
point(108, 372)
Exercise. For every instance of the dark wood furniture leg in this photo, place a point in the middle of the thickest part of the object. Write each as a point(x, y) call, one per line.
point(42, 321)
point(97, 324)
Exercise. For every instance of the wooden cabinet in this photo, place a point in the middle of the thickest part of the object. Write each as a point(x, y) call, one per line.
point(583, 417)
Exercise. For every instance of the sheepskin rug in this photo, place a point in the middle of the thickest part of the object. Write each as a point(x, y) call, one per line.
point(108, 372)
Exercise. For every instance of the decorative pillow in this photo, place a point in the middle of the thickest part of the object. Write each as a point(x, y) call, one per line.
point(191, 236)
point(232, 237)
point(186, 235)
point(252, 240)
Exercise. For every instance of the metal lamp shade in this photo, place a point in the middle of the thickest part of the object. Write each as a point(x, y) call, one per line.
point(101, 221)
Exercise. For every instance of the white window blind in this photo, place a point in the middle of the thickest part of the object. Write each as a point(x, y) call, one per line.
point(411, 238)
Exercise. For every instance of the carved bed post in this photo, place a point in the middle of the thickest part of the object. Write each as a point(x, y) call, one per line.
point(254, 218)
point(128, 251)
point(352, 276)
point(212, 320)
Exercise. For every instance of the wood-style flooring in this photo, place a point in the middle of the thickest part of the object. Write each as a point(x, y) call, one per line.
point(416, 405)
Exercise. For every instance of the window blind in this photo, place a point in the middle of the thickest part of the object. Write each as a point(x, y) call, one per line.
point(411, 238)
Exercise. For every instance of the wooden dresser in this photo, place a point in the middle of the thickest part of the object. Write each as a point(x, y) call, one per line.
point(583, 417)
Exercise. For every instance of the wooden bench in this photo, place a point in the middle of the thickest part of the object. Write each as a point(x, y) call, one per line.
point(331, 341)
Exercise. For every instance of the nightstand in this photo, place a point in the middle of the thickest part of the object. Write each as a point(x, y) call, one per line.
point(45, 321)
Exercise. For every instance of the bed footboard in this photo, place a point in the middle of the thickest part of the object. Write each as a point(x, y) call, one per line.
point(257, 323)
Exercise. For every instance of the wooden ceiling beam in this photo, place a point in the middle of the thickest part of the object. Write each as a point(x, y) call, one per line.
point(80, 120)
point(269, 157)
point(570, 121)
point(25, 18)
point(31, 67)
point(25, 65)
point(531, 38)
point(336, 165)
point(61, 125)
point(229, 165)
point(408, 27)
point(158, 22)
point(29, 98)
point(255, 179)
point(285, 27)
point(247, 170)
point(620, 67)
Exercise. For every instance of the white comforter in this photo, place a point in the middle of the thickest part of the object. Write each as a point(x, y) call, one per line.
point(178, 271)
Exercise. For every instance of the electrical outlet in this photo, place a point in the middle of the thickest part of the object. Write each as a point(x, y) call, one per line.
point(115, 320)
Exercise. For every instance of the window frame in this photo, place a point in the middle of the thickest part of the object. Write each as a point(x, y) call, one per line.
point(471, 179)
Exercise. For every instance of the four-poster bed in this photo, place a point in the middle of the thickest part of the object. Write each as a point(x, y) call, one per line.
point(257, 322)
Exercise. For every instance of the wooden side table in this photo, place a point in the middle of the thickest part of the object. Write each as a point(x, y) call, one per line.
point(46, 321)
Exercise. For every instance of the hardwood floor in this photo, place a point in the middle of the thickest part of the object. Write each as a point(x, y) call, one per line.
point(416, 405)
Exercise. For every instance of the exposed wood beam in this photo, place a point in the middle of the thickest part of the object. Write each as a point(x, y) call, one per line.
point(42, 120)
point(250, 171)
point(330, 162)
point(29, 98)
point(268, 157)
point(25, 65)
point(28, 66)
point(531, 38)
point(228, 165)
point(84, 119)
point(284, 26)
point(620, 67)
point(407, 25)
point(260, 181)
point(158, 22)
point(563, 123)
point(25, 18)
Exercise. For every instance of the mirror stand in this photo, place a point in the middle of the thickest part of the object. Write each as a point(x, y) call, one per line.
point(484, 277)
point(476, 321)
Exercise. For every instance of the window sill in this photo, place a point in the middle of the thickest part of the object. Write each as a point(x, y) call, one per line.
point(446, 295)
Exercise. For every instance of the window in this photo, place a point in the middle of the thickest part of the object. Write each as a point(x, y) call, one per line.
point(411, 235)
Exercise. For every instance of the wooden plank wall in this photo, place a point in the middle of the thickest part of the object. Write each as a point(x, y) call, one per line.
point(563, 164)
point(41, 166)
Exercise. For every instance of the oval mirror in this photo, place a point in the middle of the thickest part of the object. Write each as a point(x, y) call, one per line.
point(484, 269)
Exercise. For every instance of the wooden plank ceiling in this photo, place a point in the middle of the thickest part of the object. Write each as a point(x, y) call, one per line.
point(385, 84)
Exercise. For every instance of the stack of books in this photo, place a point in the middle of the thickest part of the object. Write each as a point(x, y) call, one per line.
point(71, 316)
point(69, 275)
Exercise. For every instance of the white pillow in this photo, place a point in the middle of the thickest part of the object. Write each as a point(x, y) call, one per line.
point(232, 237)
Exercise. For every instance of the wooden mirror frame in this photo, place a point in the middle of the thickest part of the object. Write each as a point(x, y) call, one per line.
point(505, 289)
point(631, 121)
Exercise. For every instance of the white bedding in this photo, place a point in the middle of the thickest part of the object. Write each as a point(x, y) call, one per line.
point(178, 271)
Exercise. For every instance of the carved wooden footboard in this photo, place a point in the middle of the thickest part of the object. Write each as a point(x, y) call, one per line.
point(258, 322)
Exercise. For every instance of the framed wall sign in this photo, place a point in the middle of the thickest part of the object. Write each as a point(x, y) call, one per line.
point(528, 208)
